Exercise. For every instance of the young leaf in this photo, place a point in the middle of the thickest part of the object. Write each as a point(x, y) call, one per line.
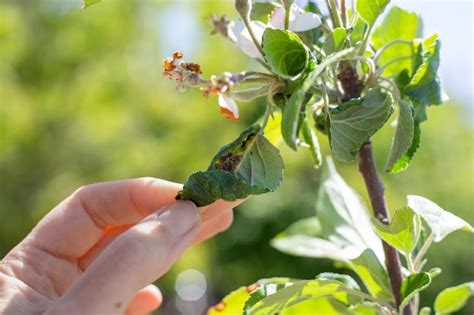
point(273, 129)
point(424, 87)
point(367, 308)
point(310, 138)
point(400, 156)
point(285, 52)
point(390, 30)
point(88, 3)
point(291, 113)
point(356, 121)
point(347, 280)
point(403, 232)
point(441, 222)
point(369, 10)
point(373, 275)
point(411, 285)
point(273, 299)
point(452, 299)
point(248, 165)
point(233, 303)
point(334, 40)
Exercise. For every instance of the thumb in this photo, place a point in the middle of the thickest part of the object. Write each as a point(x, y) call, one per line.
point(134, 259)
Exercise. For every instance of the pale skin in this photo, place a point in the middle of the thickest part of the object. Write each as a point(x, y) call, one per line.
point(100, 249)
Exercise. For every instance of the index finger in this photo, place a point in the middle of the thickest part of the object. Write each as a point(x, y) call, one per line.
point(79, 222)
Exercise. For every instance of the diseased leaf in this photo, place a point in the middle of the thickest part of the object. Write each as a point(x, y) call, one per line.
point(452, 299)
point(273, 299)
point(88, 3)
point(401, 153)
point(310, 138)
point(291, 113)
point(403, 231)
point(369, 10)
point(334, 40)
point(284, 52)
point(356, 121)
point(373, 275)
point(248, 165)
point(390, 30)
point(412, 285)
point(233, 303)
point(441, 222)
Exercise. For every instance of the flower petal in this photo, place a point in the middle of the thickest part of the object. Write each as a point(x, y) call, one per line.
point(277, 19)
point(245, 42)
point(303, 21)
point(228, 107)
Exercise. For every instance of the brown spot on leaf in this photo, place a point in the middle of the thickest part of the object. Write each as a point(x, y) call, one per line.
point(229, 162)
point(118, 305)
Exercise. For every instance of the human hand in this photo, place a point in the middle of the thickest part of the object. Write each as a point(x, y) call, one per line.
point(98, 251)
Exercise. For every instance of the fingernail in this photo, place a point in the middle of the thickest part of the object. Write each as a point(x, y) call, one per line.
point(180, 217)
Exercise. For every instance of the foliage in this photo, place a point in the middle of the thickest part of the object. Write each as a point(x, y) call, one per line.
point(310, 94)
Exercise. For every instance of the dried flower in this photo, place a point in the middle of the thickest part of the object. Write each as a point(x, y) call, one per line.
point(221, 25)
point(186, 73)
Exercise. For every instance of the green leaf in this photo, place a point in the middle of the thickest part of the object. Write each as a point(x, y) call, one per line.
point(403, 232)
point(232, 304)
point(373, 275)
point(425, 311)
point(400, 153)
point(369, 10)
point(390, 30)
point(344, 218)
point(311, 140)
point(424, 87)
point(276, 298)
point(248, 165)
point(88, 3)
point(452, 299)
point(441, 222)
point(334, 40)
point(347, 280)
point(324, 305)
point(273, 129)
point(412, 285)
point(367, 308)
point(284, 52)
point(261, 11)
point(292, 111)
point(356, 121)
point(342, 229)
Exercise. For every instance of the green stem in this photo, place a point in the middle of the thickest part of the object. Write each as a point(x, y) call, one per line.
point(410, 264)
point(256, 42)
point(287, 16)
point(382, 68)
point(365, 41)
point(371, 298)
point(336, 18)
point(381, 50)
point(422, 252)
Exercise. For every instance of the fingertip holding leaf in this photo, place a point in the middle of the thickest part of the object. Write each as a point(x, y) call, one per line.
point(250, 165)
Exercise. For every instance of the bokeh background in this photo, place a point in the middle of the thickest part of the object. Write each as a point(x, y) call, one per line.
point(82, 100)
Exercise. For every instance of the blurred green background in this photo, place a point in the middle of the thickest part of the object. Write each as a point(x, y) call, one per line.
point(82, 100)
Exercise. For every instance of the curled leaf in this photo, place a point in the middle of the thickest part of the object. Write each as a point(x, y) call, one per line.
point(250, 165)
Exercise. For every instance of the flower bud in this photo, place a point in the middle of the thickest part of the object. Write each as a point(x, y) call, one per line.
point(244, 7)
